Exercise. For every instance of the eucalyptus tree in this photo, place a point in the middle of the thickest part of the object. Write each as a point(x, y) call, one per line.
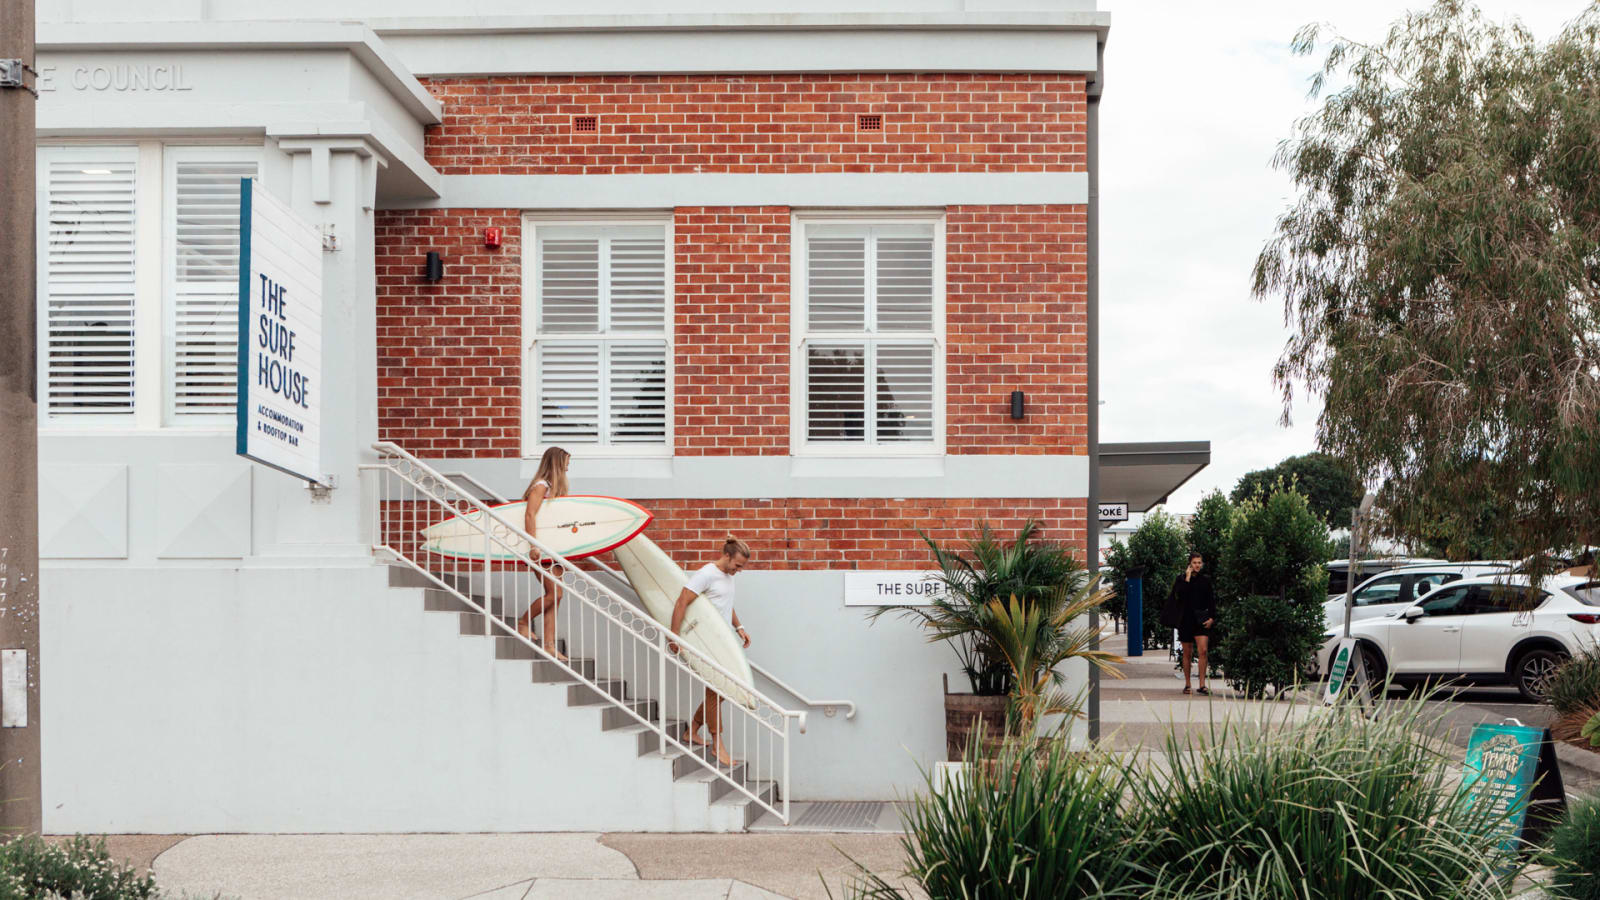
point(1440, 269)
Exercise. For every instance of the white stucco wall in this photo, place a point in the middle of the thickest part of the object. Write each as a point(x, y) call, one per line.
point(315, 700)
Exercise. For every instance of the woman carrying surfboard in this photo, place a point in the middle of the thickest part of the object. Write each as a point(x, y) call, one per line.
point(549, 481)
point(714, 581)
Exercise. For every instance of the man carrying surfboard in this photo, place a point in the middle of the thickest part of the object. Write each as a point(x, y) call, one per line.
point(714, 581)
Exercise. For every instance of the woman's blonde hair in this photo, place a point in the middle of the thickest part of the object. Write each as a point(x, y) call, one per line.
point(735, 547)
point(552, 471)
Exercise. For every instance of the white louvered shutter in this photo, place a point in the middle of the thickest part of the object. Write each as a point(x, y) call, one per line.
point(203, 308)
point(88, 248)
point(870, 298)
point(602, 350)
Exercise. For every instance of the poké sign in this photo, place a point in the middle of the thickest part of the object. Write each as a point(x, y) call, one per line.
point(280, 336)
point(891, 588)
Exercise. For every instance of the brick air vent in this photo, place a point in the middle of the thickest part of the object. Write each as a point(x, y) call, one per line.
point(869, 122)
point(586, 123)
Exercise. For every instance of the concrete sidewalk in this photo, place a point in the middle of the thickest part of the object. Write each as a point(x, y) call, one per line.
point(508, 866)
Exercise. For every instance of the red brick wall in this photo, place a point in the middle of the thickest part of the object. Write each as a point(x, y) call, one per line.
point(759, 123)
point(449, 353)
point(449, 363)
point(799, 533)
point(865, 533)
point(732, 330)
point(1016, 319)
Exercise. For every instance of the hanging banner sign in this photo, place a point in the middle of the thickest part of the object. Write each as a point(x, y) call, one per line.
point(1514, 770)
point(280, 336)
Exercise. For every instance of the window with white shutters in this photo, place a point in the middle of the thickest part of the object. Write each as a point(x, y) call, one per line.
point(601, 341)
point(139, 283)
point(202, 309)
point(87, 283)
point(870, 316)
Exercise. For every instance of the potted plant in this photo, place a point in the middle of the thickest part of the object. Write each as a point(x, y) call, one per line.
point(1006, 612)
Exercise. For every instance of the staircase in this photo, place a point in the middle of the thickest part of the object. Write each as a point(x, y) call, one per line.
point(620, 672)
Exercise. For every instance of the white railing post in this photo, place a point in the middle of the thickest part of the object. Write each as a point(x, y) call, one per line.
point(784, 784)
point(488, 564)
point(661, 686)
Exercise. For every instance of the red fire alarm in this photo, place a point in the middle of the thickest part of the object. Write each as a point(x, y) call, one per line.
point(491, 238)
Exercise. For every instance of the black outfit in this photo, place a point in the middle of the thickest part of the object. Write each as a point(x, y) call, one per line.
point(1191, 603)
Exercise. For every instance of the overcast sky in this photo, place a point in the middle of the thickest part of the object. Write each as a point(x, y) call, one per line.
point(1197, 97)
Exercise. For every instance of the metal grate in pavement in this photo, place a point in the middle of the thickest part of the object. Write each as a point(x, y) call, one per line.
point(840, 815)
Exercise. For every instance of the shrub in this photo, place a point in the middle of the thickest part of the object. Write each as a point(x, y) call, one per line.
point(1576, 684)
point(1040, 822)
point(1272, 585)
point(1336, 806)
point(80, 868)
point(1160, 548)
point(1574, 852)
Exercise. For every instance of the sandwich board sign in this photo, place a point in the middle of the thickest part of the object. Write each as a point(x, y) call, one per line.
point(279, 421)
point(1513, 769)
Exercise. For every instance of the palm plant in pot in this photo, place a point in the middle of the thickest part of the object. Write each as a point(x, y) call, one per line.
point(1006, 611)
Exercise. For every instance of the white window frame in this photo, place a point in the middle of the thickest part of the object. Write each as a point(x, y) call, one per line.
point(152, 246)
point(533, 444)
point(800, 337)
point(173, 154)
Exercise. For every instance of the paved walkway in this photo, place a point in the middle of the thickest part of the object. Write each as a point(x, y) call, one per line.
point(508, 866)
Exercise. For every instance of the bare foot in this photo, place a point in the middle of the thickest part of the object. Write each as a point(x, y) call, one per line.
point(691, 735)
point(524, 630)
point(721, 753)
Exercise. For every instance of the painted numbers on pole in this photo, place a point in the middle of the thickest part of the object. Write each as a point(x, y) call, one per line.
point(280, 336)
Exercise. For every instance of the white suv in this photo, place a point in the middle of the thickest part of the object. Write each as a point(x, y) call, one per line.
point(1496, 630)
point(1397, 588)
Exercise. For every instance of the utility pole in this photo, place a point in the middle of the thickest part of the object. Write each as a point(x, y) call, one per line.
point(21, 807)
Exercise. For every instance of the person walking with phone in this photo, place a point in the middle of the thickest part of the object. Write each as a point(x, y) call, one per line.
point(1191, 607)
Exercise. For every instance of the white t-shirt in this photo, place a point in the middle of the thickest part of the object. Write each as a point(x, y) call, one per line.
point(716, 586)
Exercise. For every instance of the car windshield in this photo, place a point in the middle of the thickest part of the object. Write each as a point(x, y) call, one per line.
point(1588, 594)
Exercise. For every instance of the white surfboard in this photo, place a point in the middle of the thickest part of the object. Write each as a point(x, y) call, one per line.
point(574, 527)
point(658, 581)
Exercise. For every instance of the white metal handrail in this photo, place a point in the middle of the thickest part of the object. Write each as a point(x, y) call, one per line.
point(487, 491)
point(828, 707)
point(625, 648)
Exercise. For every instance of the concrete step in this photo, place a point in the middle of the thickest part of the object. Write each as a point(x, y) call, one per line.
point(615, 718)
point(547, 672)
point(587, 695)
point(766, 790)
point(472, 624)
point(508, 647)
point(650, 742)
point(437, 600)
point(401, 575)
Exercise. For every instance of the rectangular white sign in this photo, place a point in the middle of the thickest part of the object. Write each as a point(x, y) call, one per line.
point(280, 336)
point(891, 588)
point(1113, 512)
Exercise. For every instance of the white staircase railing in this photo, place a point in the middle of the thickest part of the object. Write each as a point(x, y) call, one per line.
point(828, 707)
point(618, 654)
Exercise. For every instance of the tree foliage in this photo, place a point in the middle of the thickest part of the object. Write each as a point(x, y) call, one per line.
point(1329, 485)
point(1439, 270)
point(1208, 530)
point(1159, 547)
point(1272, 583)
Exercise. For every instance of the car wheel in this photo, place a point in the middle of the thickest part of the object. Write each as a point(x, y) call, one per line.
point(1531, 674)
point(1376, 670)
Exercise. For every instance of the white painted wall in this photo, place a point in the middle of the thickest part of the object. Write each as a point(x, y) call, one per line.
point(315, 700)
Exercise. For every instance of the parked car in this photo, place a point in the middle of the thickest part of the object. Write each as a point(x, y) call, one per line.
point(1497, 630)
point(1339, 579)
point(1395, 589)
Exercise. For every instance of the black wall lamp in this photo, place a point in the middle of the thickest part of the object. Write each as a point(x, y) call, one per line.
point(434, 270)
point(1018, 411)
